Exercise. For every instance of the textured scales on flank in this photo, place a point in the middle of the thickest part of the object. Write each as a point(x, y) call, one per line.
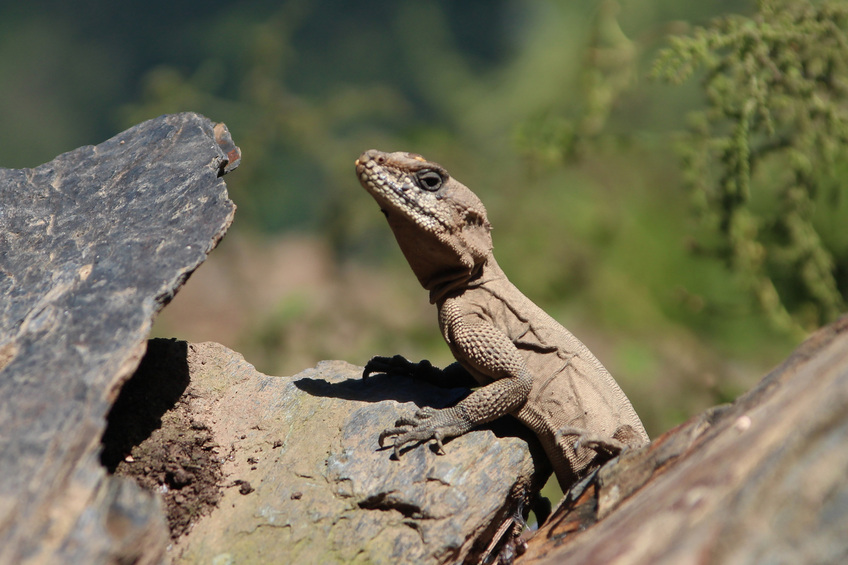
point(525, 363)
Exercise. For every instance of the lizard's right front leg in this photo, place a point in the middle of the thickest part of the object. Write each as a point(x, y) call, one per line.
point(489, 352)
point(483, 405)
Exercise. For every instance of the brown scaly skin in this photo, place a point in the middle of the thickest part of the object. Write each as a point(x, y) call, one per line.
point(525, 363)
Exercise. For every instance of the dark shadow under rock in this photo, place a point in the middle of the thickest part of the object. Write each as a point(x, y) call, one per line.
point(155, 387)
point(153, 439)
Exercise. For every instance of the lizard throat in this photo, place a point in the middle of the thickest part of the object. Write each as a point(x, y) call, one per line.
point(440, 289)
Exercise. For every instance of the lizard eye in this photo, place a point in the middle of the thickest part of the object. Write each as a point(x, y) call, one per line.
point(429, 180)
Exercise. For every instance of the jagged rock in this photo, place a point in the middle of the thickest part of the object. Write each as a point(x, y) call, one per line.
point(760, 481)
point(92, 245)
point(301, 476)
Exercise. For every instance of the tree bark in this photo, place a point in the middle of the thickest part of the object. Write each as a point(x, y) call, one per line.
point(762, 480)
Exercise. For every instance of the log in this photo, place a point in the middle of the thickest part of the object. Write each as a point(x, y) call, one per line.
point(760, 481)
point(92, 245)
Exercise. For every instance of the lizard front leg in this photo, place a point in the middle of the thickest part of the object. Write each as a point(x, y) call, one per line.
point(483, 405)
point(489, 352)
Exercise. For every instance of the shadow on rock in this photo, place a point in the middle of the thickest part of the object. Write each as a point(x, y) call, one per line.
point(380, 387)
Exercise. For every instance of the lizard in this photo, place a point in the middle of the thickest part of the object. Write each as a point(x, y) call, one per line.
point(521, 360)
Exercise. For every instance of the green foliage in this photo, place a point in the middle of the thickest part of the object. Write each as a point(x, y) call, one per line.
point(766, 157)
point(607, 72)
point(538, 106)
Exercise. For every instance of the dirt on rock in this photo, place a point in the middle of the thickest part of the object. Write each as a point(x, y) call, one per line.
point(153, 438)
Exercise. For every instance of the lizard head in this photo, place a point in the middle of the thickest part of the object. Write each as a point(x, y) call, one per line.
point(440, 225)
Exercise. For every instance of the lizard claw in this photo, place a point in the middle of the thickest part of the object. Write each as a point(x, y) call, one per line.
point(413, 430)
point(598, 443)
point(397, 365)
point(385, 365)
point(408, 434)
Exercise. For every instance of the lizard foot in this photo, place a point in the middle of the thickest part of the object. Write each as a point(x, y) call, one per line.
point(596, 442)
point(397, 365)
point(452, 376)
point(422, 426)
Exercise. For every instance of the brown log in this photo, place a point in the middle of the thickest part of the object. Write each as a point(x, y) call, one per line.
point(760, 481)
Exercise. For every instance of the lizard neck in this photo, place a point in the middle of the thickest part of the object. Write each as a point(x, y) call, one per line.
point(486, 272)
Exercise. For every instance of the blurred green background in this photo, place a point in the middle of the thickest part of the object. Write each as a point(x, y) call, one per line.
point(544, 108)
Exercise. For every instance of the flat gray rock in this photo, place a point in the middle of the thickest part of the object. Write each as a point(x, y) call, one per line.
point(299, 474)
point(92, 245)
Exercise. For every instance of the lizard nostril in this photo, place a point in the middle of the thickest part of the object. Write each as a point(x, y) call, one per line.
point(372, 155)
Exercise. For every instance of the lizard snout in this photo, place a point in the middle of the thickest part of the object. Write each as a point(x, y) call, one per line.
point(371, 155)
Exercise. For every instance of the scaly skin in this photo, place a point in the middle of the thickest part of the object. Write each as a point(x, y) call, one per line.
point(525, 363)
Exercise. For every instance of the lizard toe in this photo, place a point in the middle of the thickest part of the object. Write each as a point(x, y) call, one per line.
point(397, 365)
point(417, 435)
point(589, 440)
point(382, 365)
point(397, 431)
point(425, 414)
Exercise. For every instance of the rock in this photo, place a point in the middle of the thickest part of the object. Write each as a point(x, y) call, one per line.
point(92, 245)
point(758, 481)
point(302, 478)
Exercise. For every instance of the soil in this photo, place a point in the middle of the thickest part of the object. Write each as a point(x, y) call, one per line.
point(153, 438)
